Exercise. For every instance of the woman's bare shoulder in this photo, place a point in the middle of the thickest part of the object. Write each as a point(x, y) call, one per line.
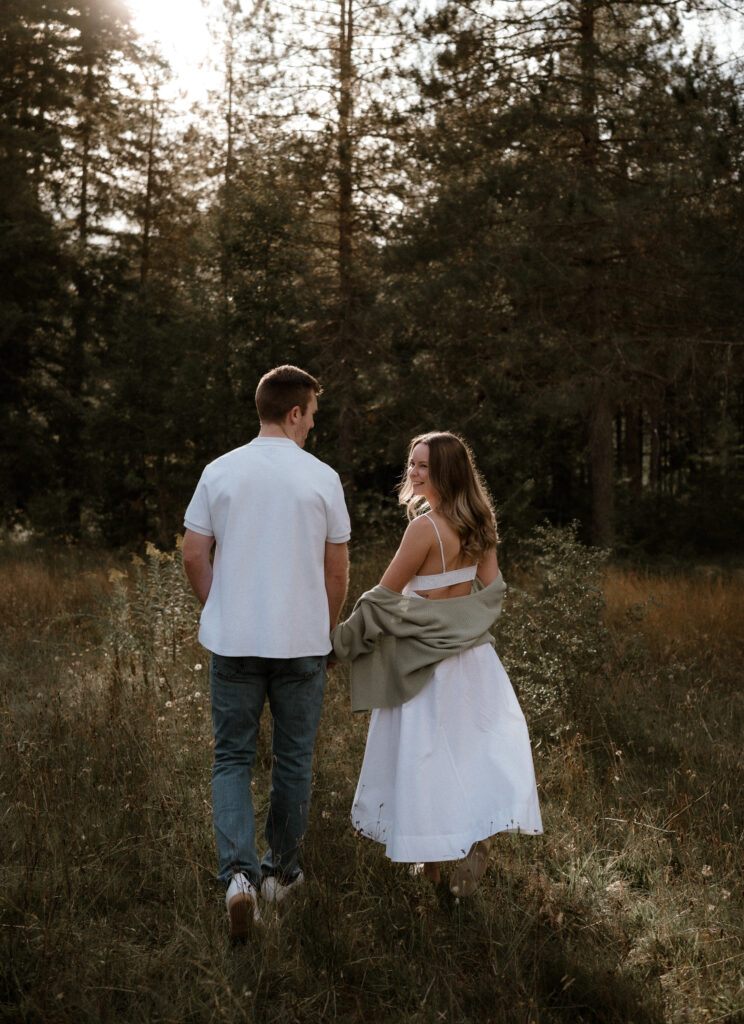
point(421, 530)
point(410, 555)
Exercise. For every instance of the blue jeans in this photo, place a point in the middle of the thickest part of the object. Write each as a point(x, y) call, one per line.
point(239, 687)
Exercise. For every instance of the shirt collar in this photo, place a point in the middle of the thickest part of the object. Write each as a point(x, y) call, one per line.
point(274, 440)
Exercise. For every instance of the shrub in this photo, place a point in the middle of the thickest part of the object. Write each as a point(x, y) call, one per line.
point(552, 636)
point(153, 610)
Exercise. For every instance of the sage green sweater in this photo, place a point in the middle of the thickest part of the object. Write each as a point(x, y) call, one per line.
point(394, 641)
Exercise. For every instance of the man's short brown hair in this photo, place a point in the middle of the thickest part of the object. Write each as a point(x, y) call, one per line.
point(281, 389)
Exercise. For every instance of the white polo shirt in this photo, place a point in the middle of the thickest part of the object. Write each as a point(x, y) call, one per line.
point(271, 507)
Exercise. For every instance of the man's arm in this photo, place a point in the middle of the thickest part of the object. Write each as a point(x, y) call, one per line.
point(196, 550)
point(336, 578)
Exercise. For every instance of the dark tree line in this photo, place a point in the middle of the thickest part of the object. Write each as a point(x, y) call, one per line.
point(523, 224)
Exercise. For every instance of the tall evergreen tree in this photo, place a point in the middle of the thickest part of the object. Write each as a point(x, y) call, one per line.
point(144, 387)
point(33, 265)
point(570, 165)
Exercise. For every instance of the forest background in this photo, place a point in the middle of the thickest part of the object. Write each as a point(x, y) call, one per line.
point(522, 222)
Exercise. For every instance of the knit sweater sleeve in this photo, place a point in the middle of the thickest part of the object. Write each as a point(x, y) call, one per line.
point(393, 641)
point(358, 634)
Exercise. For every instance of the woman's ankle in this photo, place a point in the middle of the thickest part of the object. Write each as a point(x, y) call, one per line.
point(431, 873)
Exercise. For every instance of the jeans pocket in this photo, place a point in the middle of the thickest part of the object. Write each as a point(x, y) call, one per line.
point(306, 668)
point(225, 668)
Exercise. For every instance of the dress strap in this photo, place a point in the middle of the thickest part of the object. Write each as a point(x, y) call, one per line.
point(445, 579)
point(439, 538)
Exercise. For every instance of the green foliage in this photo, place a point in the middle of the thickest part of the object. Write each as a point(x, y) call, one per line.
point(566, 272)
point(689, 525)
point(535, 224)
point(552, 637)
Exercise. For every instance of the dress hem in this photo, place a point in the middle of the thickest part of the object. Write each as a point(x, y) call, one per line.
point(414, 849)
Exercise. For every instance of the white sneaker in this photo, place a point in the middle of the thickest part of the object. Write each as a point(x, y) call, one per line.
point(274, 891)
point(241, 900)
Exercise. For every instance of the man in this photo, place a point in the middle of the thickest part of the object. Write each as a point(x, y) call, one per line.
point(278, 523)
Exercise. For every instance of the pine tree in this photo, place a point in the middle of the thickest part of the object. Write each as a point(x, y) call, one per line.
point(34, 268)
point(566, 174)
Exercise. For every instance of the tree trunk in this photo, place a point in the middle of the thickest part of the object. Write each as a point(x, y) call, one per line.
point(75, 370)
point(147, 219)
point(655, 453)
point(346, 296)
point(601, 448)
point(601, 455)
point(634, 449)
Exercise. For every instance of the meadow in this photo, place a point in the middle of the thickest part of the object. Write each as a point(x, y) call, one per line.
point(628, 909)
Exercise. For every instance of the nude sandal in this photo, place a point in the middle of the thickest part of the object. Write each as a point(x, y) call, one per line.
point(469, 871)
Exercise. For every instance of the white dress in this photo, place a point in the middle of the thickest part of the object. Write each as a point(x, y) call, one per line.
point(450, 766)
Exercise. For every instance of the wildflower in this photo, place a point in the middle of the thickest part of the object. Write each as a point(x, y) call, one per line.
point(707, 871)
point(169, 703)
point(197, 694)
point(197, 667)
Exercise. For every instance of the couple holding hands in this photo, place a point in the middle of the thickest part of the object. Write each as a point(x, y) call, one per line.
point(447, 763)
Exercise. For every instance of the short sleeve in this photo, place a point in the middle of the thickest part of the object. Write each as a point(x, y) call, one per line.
point(339, 526)
point(198, 517)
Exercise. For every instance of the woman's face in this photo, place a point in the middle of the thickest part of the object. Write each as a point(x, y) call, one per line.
point(418, 474)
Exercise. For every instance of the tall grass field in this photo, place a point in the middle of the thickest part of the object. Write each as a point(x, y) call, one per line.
point(627, 910)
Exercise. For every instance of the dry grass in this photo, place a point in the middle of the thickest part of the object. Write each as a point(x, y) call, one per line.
point(42, 593)
point(628, 910)
point(679, 614)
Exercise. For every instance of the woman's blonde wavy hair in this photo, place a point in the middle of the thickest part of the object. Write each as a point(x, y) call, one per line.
point(464, 499)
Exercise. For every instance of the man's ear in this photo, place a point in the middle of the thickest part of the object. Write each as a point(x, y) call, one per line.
point(295, 414)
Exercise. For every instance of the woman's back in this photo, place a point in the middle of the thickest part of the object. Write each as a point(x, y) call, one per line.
point(441, 477)
point(444, 571)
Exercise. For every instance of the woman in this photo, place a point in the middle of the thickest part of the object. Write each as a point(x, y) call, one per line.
point(448, 761)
